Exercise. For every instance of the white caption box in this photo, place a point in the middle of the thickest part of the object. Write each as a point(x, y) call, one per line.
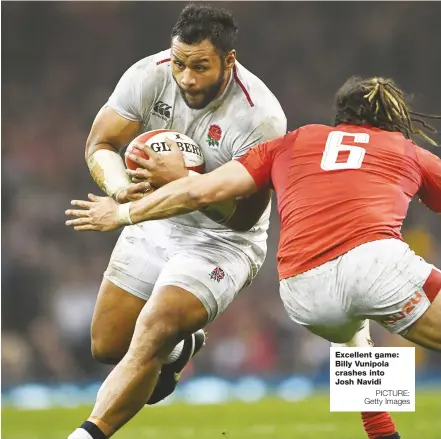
point(372, 379)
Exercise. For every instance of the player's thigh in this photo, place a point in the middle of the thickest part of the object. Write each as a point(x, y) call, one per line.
point(338, 334)
point(426, 331)
point(137, 259)
point(129, 280)
point(389, 285)
point(361, 339)
point(313, 300)
point(213, 275)
point(113, 322)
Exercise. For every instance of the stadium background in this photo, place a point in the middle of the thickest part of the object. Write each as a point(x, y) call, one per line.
point(61, 61)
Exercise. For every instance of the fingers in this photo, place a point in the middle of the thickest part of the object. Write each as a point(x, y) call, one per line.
point(145, 149)
point(93, 197)
point(82, 203)
point(79, 213)
point(173, 145)
point(81, 224)
point(149, 151)
point(145, 186)
point(138, 174)
point(142, 162)
point(78, 222)
point(85, 228)
point(98, 214)
point(138, 189)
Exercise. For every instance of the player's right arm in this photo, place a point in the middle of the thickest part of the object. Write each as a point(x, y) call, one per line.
point(110, 133)
point(117, 124)
point(430, 189)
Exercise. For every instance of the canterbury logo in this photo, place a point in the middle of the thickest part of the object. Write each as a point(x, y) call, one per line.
point(407, 309)
point(162, 109)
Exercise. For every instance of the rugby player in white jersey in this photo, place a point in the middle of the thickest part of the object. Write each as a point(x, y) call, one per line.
point(167, 279)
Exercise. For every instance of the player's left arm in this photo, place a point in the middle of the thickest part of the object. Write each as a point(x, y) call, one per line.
point(243, 213)
point(176, 198)
point(430, 190)
point(195, 192)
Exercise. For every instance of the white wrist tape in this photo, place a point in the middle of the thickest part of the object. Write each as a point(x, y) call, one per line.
point(123, 213)
point(192, 173)
point(107, 169)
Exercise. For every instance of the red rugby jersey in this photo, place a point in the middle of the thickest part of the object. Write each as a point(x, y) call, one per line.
point(339, 187)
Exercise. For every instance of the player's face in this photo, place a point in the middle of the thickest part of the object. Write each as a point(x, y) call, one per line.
point(200, 73)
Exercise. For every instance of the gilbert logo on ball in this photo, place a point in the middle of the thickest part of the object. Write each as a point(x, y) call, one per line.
point(156, 139)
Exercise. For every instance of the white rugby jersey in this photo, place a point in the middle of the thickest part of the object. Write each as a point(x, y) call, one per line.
point(245, 114)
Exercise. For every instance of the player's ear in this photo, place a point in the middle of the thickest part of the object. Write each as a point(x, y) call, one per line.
point(230, 59)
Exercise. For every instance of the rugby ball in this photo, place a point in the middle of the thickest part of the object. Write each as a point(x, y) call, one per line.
point(156, 139)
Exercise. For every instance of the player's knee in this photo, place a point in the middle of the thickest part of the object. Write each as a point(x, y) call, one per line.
point(157, 334)
point(171, 315)
point(161, 327)
point(155, 339)
point(106, 353)
point(424, 335)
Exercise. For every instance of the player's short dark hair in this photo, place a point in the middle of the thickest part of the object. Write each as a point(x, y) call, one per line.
point(380, 103)
point(199, 22)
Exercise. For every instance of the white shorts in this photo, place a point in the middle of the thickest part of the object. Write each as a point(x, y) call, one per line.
point(380, 280)
point(156, 254)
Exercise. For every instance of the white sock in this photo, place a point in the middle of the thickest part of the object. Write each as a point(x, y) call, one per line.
point(79, 433)
point(175, 353)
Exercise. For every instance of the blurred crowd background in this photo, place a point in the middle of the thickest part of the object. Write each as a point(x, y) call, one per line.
point(61, 61)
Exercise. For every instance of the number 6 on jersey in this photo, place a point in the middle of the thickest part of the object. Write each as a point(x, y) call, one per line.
point(334, 145)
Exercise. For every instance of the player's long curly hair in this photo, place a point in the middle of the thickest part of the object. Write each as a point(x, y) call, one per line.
point(380, 103)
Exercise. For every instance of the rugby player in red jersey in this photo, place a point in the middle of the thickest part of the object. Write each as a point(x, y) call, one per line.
point(343, 192)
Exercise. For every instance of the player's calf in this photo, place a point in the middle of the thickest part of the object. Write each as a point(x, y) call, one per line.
point(377, 425)
point(170, 315)
point(176, 361)
point(103, 355)
point(113, 322)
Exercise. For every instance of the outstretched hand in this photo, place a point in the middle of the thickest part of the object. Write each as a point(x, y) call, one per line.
point(100, 214)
